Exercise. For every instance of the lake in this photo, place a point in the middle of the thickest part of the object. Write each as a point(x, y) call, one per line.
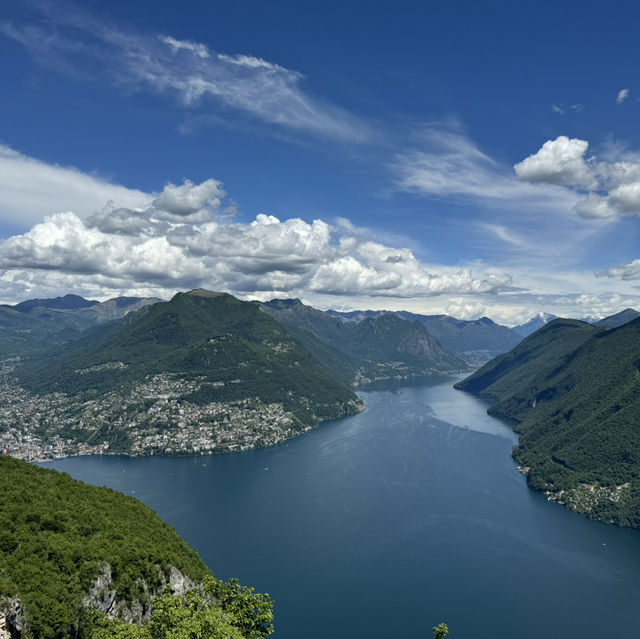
point(384, 524)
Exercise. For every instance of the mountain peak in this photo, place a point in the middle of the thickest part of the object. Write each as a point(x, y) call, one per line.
point(284, 303)
point(203, 292)
point(66, 302)
point(623, 317)
point(534, 323)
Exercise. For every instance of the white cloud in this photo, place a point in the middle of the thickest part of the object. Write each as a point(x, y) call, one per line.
point(630, 271)
point(562, 109)
point(465, 309)
point(199, 77)
point(608, 188)
point(31, 189)
point(123, 249)
point(560, 161)
point(447, 164)
point(506, 235)
point(623, 94)
point(198, 49)
point(188, 199)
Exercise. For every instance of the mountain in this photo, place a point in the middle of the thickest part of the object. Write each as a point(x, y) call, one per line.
point(574, 391)
point(623, 317)
point(353, 316)
point(534, 323)
point(68, 302)
point(30, 325)
point(76, 560)
point(202, 372)
point(475, 341)
point(374, 347)
point(507, 377)
point(20, 332)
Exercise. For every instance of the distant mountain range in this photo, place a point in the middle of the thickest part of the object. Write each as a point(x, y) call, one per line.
point(535, 323)
point(204, 371)
point(475, 341)
point(377, 346)
point(32, 324)
point(207, 372)
point(574, 391)
point(541, 319)
point(623, 317)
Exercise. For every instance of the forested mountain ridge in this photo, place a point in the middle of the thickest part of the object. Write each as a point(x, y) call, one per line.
point(74, 558)
point(623, 317)
point(202, 372)
point(372, 348)
point(574, 391)
point(34, 324)
point(515, 373)
point(474, 341)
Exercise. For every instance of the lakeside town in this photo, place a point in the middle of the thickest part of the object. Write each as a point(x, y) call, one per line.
point(151, 417)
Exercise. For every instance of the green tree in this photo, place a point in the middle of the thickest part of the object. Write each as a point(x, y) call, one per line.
point(219, 610)
point(441, 631)
point(174, 617)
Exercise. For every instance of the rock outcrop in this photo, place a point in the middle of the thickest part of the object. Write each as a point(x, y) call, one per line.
point(11, 618)
point(103, 596)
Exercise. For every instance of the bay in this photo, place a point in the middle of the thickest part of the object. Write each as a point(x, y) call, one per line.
point(383, 524)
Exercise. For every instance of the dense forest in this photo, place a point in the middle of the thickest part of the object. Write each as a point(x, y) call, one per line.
point(574, 393)
point(68, 550)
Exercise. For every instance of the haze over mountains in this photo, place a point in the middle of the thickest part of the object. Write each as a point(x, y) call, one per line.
point(34, 323)
point(475, 341)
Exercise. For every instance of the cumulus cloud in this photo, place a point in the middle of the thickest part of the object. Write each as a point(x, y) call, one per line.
point(465, 309)
point(30, 189)
point(199, 77)
point(560, 161)
point(188, 199)
point(608, 188)
point(623, 94)
point(125, 249)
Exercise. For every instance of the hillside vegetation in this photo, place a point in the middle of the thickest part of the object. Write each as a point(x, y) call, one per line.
point(203, 372)
point(60, 537)
point(32, 325)
point(374, 347)
point(213, 337)
point(472, 340)
point(574, 391)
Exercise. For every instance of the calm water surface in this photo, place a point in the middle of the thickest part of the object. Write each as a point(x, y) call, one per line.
point(384, 524)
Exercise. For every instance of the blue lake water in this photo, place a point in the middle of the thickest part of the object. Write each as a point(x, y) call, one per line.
point(384, 524)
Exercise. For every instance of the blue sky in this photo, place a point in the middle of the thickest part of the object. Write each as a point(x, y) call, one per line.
point(443, 157)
